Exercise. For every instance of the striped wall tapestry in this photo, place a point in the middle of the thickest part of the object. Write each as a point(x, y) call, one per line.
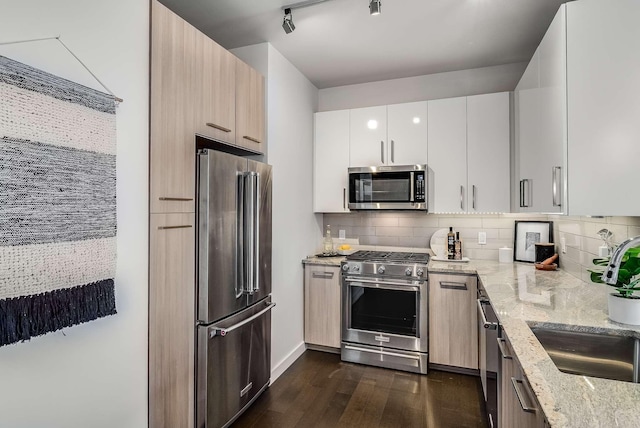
point(57, 203)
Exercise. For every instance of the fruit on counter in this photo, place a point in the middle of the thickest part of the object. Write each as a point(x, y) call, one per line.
point(344, 247)
point(550, 260)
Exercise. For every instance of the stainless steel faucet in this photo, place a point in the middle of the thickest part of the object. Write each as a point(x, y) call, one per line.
point(610, 275)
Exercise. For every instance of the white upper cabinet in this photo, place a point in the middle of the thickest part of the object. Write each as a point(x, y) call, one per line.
point(488, 142)
point(407, 133)
point(368, 137)
point(603, 75)
point(447, 154)
point(541, 132)
point(331, 161)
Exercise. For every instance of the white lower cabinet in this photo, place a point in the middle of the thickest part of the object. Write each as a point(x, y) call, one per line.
point(322, 305)
point(453, 324)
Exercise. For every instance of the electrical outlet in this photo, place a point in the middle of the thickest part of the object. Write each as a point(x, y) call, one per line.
point(482, 238)
point(563, 245)
point(342, 234)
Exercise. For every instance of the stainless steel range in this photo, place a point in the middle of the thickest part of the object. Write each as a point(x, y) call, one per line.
point(385, 310)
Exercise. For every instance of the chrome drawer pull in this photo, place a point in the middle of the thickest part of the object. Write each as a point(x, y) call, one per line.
point(164, 198)
point(503, 351)
point(322, 275)
point(246, 137)
point(517, 383)
point(485, 323)
point(371, 351)
point(246, 389)
point(453, 285)
point(184, 226)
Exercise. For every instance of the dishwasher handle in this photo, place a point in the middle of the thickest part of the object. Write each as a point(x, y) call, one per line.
point(486, 324)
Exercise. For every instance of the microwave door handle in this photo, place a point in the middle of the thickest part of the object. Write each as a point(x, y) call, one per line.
point(412, 196)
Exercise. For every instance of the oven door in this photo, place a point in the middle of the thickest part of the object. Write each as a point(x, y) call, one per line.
point(386, 313)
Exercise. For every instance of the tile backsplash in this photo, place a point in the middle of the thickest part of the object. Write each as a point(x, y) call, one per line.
point(414, 230)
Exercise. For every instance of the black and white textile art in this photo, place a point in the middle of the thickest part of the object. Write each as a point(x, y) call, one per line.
point(57, 203)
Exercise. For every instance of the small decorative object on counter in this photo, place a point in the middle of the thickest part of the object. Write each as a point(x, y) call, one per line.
point(505, 255)
point(457, 245)
point(545, 251)
point(328, 243)
point(548, 264)
point(621, 271)
point(451, 238)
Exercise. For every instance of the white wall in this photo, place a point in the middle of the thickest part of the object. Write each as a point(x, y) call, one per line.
point(420, 88)
point(95, 374)
point(291, 100)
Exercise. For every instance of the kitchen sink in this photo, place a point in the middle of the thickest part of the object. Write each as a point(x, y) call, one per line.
point(592, 354)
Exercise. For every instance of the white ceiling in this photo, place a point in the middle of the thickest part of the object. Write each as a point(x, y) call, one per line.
point(338, 43)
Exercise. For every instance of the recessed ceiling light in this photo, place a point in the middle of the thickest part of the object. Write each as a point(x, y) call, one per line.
point(372, 124)
point(375, 7)
point(416, 120)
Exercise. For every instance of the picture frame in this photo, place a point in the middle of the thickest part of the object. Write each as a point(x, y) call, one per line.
point(526, 235)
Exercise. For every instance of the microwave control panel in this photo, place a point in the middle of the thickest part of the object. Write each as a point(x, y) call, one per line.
point(420, 186)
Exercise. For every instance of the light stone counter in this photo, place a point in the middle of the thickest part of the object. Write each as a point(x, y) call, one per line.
point(521, 296)
point(326, 261)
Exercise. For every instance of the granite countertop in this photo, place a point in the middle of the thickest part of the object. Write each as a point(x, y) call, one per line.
point(327, 261)
point(523, 296)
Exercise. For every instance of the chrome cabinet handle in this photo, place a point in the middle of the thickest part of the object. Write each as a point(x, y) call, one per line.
point(222, 331)
point(525, 193)
point(517, 384)
point(450, 285)
point(184, 226)
point(165, 198)
point(503, 351)
point(486, 324)
point(218, 127)
point(322, 275)
point(393, 160)
point(461, 197)
point(555, 186)
point(521, 193)
point(473, 195)
point(382, 151)
point(344, 198)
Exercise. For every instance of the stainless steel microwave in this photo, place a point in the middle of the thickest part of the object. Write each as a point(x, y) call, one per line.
point(398, 187)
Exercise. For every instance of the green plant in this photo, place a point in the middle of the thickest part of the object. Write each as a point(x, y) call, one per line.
point(628, 275)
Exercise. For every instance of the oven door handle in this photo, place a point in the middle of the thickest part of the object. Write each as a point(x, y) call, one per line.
point(380, 352)
point(384, 285)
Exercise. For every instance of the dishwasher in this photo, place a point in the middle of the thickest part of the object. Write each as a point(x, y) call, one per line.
point(488, 333)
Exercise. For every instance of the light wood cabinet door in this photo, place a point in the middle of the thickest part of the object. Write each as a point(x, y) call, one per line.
point(322, 305)
point(448, 154)
point(368, 137)
point(517, 406)
point(215, 93)
point(172, 140)
point(171, 320)
point(407, 133)
point(250, 108)
point(488, 145)
point(453, 324)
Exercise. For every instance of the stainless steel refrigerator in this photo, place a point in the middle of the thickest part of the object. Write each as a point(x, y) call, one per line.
point(233, 348)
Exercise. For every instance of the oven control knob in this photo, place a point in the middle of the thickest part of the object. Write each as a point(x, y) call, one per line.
point(345, 267)
point(420, 272)
point(355, 268)
point(408, 271)
point(381, 270)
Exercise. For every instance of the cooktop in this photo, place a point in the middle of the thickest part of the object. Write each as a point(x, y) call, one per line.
point(389, 256)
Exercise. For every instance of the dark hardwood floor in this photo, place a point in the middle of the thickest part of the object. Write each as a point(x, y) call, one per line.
point(319, 390)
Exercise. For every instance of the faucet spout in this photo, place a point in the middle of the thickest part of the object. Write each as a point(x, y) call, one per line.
point(610, 275)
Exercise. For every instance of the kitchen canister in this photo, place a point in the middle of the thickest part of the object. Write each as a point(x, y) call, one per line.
point(505, 255)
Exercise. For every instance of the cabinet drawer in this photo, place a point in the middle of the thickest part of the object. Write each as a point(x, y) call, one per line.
point(322, 305)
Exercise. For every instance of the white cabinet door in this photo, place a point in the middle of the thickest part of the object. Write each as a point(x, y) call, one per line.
point(447, 153)
point(407, 133)
point(330, 161)
point(603, 70)
point(368, 137)
point(488, 153)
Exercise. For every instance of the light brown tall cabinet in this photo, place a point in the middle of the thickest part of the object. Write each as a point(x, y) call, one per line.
point(196, 89)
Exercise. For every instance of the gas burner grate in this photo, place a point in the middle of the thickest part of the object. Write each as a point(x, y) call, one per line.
point(389, 256)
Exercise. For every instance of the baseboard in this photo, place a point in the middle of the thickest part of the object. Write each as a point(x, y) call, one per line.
point(286, 362)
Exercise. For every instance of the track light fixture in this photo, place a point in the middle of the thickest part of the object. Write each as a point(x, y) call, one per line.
point(375, 7)
point(287, 23)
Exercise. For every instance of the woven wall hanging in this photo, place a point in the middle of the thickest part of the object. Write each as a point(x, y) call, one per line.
point(57, 202)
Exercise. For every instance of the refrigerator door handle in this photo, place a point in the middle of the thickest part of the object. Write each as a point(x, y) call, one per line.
point(219, 331)
point(240, 213)
point(249, 243)
point(256, 238)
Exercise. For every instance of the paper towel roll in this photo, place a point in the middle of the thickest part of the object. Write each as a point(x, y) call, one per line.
point(505, 255)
